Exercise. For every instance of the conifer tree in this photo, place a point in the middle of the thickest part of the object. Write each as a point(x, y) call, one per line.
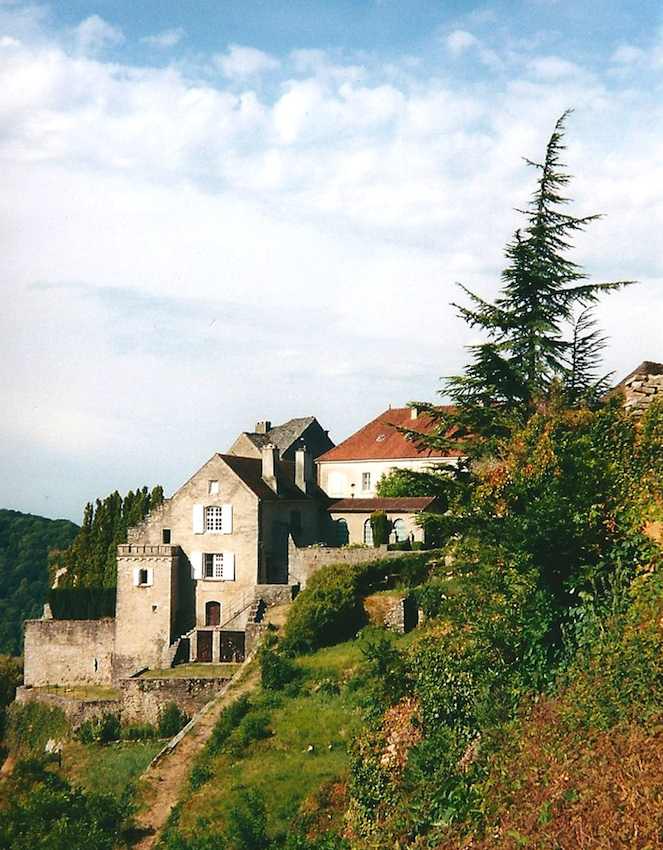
point(525, 352)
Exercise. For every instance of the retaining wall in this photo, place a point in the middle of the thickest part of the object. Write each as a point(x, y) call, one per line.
point(143, 699)
point(67, 651)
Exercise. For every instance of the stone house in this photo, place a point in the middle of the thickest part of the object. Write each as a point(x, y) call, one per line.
point(191, 574)
point(352, 518)
point(353, 468)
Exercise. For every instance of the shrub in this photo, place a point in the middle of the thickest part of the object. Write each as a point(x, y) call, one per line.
point(228, 721)
point(276, 670)
point(171, 720)
point(247, 823)
point(44, 811)
point(139, 732)
point(381, 527)
point(11, 676)
point(254, 727)
point(31, 725)
point(329, 609)
point(100, 730)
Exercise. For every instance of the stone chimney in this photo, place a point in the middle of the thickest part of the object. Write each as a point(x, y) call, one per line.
point(263, 426)
point(414, 412)
point(304, 477)
point(270, 456)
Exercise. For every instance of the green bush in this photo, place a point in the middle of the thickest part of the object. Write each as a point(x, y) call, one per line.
point(31, 725)
point(139, 732)
point(228, 721)
point(43, 810)
point(254, 727)
point(276, 670)
point(100, 730)
point(171, 720)
point(246, 823)
point(381, 528)
point(329, 610)
point(11, 676)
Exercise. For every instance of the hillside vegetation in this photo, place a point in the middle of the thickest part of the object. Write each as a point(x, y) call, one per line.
point(25, 543)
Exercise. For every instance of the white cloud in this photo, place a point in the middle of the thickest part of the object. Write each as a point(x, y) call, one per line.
point(240, 62)
point(165, 39)
point(553, 68)
point(204, 250)
point(94, 33)
point(459, 41)
point(627, 54)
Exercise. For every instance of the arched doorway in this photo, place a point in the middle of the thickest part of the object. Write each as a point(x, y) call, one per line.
point(400, 530)
point(342, 533)
point(368, 533)
point(213, 614)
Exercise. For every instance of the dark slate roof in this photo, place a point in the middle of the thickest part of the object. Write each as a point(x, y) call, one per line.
point(380, 439)
point(282, 436)
point(405, 504)
point(249, 469)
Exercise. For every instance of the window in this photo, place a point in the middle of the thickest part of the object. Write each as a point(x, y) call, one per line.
point(143, 577)
point(342, 533)
point(165, 535)
point(366, 481)
point(399, 530)
point(368, 533)
point(213, 488)
point(214, 518)
point(213, 567)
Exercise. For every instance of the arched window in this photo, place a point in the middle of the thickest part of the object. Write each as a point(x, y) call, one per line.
point(368, 533)
point(213, 614)
point(400, 530)
point(342, 533)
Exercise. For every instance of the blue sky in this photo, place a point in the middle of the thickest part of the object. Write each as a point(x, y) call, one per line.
point(215, 213)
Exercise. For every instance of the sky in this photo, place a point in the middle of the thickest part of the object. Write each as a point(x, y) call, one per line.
point(217, 212)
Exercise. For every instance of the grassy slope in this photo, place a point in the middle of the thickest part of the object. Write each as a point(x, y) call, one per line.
point(281, 767)
point(109, 768)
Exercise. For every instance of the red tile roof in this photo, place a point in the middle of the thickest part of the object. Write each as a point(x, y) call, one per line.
point(404, 505)
point(379, 440)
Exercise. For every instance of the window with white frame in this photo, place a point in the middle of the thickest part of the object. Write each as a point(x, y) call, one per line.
point(213, 566)
point(366, 481)
point(368, 533)
point(214, 518)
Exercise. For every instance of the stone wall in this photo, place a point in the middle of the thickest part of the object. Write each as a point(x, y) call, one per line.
point(402, 616)
point(61, 652)
point(306, 561)
point(77, 711)
point(143, 699)
point(642, 388)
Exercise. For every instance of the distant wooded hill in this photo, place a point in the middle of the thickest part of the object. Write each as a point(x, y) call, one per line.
point(25, 541)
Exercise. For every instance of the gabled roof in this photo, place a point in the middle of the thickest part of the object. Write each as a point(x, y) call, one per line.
point(404, 505)
point(283, 436)
point(249, 470)
point(379, 440)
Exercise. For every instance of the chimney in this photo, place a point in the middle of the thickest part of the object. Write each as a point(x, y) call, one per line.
point(263, 426)
point(304, 478)
point(270, 456)
point(414, 412)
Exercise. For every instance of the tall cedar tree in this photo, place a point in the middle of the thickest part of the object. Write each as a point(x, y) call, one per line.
point(525, 352)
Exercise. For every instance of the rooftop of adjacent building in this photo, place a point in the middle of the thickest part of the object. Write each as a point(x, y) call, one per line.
point(381, 438)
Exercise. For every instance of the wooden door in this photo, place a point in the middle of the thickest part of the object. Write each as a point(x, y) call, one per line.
point(213, 614)
point(204, 647)
point(232, 646)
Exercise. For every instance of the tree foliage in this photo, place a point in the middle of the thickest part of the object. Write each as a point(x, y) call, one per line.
point(526, 351)
point(90, 560)
point(25, 542)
